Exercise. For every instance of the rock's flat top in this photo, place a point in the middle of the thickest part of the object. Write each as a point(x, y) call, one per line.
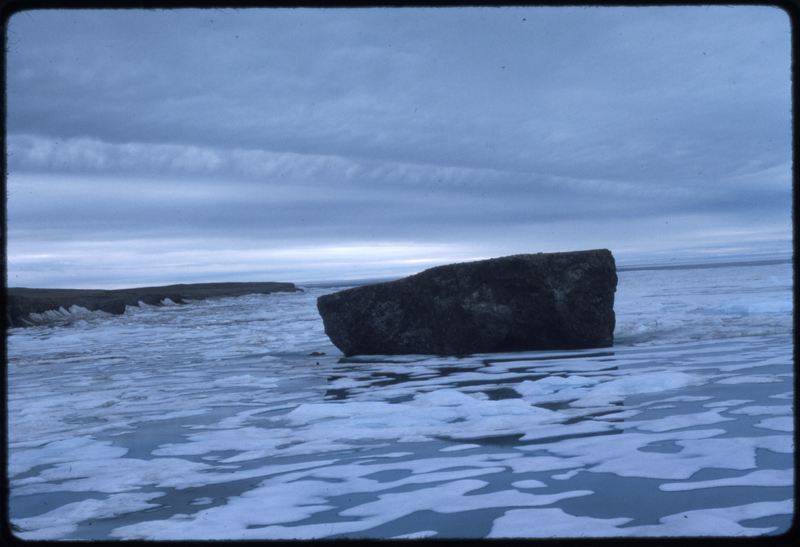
point(23, 301)
point(512, 303)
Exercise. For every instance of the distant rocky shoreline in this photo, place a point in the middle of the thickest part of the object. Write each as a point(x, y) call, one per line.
point(21, 302)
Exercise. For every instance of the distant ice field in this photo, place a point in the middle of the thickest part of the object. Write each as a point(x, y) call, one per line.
point(212, 421)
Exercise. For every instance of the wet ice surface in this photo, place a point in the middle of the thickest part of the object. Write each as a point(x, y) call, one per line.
point(213, 421)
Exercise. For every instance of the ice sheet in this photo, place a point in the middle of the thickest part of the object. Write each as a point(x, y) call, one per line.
point(214, 416)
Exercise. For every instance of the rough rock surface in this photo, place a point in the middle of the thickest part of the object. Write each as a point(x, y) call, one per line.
point(514, 303)
point(21, 302)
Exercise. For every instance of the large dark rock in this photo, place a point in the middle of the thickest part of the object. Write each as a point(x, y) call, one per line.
point(21, 302)
point(514, 303)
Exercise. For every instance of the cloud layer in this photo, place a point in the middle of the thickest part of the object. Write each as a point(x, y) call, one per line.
point(482, 131)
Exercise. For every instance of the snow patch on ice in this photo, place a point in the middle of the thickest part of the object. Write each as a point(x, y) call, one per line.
point(749, 379)
point(530, 483)
point(66, 450)
point(759, 410)
point(624, 457)
point(567, 474)
point(427, 416)
point(679, 421)
point(727, 403)
point(761, 477)
point(459, 447)
point(64, 520)
point(554, 522)
point(783, 423)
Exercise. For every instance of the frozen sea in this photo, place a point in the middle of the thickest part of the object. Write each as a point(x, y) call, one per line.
point(212, 421)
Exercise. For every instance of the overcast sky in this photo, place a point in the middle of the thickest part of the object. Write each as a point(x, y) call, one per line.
point(149, 147)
